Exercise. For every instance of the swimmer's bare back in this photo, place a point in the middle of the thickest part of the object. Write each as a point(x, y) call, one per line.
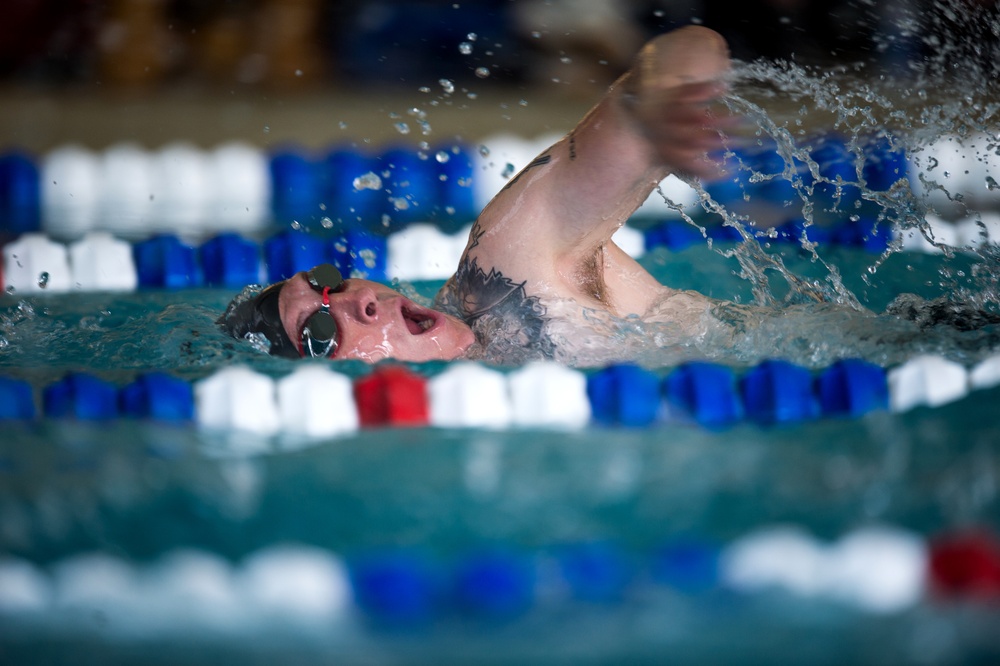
point(542, 247)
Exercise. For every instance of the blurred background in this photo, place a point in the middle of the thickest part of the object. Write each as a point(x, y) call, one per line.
point(314, 71)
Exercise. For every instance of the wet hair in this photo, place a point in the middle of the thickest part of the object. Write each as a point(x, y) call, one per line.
point(254, 313)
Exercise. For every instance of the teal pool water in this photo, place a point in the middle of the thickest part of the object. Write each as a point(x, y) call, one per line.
point(140, 491)
point(116, 335)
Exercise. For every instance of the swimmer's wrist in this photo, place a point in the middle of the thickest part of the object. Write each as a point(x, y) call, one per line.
point(627, 97)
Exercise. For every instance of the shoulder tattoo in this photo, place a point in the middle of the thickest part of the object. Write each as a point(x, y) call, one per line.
point(489, 299)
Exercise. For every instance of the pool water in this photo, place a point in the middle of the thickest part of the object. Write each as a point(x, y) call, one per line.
point(47, 335)
point(140, 491)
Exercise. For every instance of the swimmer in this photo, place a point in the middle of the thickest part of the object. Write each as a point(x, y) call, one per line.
point(540, 262)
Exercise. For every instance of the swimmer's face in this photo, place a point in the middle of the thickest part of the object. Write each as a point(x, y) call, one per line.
point(374, 322)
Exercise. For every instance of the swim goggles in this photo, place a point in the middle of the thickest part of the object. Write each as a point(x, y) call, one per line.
point(262, 315)
point(319, 336)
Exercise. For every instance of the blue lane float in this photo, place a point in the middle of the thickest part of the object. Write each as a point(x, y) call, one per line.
point(624, 394)
point(164, 262)
point(20, 194)
point(453, 167)
point(688, 565)
point(158, 396)
point(494, 583)
point(291, 251)
point(230, 261)
point(352, 189)
point(852, 387)
point(705, 392)
point(16, 400)
point(596, 572)
point(885, 164)
point(397, 588)
point(295, 187)
point(777, 392)
point(411, 188)
point(81, 396)
point(360, 254)
point(769, 167)
point(837, 185)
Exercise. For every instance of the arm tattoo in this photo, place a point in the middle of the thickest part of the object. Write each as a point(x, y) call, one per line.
point(572, 145)
point(494, 305)
point(538, 161)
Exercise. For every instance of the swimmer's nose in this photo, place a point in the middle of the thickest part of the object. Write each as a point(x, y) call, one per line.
point(363, 305)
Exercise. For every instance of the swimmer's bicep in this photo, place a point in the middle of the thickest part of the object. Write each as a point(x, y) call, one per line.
point(600, 174)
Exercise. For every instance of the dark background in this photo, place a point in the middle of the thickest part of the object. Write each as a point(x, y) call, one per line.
point(298, 44)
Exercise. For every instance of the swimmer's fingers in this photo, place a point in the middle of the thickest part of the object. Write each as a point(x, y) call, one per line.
point(692, 162)
point(675, 139)
point(684, 146)
point(683, 132)
point(702, 91)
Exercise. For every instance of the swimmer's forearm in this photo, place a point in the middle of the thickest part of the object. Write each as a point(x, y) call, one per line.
point(652, 122)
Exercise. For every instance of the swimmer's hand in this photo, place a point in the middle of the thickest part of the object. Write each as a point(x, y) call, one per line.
point(670, 92)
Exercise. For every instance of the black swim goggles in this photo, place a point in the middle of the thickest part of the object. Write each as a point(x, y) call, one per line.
point(319, 336)
point(261, 315)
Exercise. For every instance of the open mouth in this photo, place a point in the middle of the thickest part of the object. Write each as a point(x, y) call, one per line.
point(417, 322)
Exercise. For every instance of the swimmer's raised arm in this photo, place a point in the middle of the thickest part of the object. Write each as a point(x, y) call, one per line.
point(654, 121)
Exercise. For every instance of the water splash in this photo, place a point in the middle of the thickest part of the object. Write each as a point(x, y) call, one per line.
point(890, 153)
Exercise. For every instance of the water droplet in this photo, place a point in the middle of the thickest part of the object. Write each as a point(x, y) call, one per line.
point(447, 85)
point(326, 222)
point(472, 36)
point(368, 181)
point(342, 125)
point(267, 129)
point(482, 72)
point(399, 203)
point(465, 48)
point(402, 128)
point(10, 290)
point(368, 257)
point(43, 280)
point(536, 34)
point(508, 170)
point(424, 89)
point(523, 102)
point(566, 60)
point(442, 156)
point(484, 151)
point(298, 72)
